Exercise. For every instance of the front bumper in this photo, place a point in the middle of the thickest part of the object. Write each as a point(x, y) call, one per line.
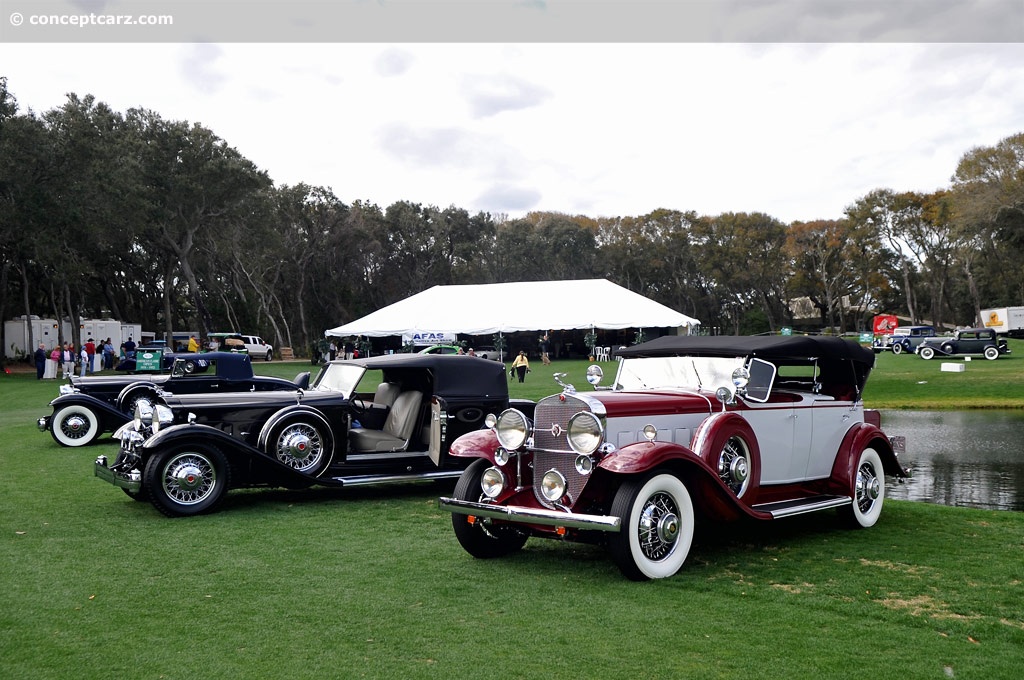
point(524, 515)
point(130, 481)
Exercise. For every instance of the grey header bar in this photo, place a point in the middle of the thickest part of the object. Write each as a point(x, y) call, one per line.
point(523, 21)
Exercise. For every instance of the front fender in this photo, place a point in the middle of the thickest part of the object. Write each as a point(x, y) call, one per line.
point(710, 494)
point(253, 464)
point(110, 418)
point(475, 444)
point(131, 387)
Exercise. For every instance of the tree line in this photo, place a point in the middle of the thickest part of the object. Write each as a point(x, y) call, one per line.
point(131, 216)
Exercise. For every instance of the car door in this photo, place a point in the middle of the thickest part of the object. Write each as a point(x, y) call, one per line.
point(830, 420)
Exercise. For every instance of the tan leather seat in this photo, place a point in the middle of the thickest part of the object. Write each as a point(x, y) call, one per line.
point(397, 430)
point(386, 394)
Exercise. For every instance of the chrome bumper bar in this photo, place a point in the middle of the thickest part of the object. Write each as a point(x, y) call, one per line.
point(101, 470)
point(524, 515)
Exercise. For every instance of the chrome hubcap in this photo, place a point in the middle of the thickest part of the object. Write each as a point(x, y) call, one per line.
point(658, 526)
point(869, 487)
point(189, 479)
point(75, 425)
point(300, 447)
point(733, 468)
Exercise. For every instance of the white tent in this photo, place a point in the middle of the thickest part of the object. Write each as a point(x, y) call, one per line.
point(522, 306)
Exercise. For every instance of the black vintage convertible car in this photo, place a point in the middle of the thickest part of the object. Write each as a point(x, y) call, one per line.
point(89, 406)
point(362, 421)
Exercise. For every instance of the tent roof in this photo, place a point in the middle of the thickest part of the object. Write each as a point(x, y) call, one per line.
point(522, 306)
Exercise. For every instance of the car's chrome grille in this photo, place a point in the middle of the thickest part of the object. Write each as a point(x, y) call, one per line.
point(551, 445)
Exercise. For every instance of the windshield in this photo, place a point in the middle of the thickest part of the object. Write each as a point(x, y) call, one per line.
point(648, 373)
point(339, 378)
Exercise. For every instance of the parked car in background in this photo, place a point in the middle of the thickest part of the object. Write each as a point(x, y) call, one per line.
point(258, 348)
point(487, 352)
point(226, 342)
point(374, 420)
point(983, 341)
point(90, 406)
point(903, 339)
point(724, 428)
point(442, 349)
point(130, 363)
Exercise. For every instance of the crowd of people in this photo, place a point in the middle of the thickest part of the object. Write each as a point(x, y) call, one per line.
point(82, 361)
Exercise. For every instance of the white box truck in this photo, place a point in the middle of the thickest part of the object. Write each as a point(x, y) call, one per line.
point(1008, 321)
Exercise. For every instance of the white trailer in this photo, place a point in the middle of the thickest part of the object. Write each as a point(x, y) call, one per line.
point(1004, 320)
point(17, 331)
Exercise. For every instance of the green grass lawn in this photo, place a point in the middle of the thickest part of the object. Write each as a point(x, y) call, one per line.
point(372, 583)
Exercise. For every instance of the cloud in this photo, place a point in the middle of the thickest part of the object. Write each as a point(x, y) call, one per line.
point(199, 67)
point(503, 198)
point(490, 95)
point(393, 62)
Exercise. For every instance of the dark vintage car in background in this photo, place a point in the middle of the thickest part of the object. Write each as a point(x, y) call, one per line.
point(983, 341)
point(90, 406)
point(152, 351)
point(904, 339)
point(719, 428)
point(362, 421)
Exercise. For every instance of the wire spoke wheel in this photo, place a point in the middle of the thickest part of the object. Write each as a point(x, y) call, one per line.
point(300, 446)
point(186, 479)
point(734, 465)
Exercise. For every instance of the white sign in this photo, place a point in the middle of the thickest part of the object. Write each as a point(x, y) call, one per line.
point(428, 338)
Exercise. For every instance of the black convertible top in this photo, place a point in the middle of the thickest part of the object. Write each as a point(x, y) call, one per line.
point(778, 347)
point(452, 374)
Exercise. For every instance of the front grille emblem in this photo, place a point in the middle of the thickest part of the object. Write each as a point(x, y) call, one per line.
point(556, 430)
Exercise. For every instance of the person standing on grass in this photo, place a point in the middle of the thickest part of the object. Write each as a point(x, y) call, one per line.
point(521, 365)
point(40, 357)
point(83, 358)
point(545, 349)
point(68, 359)
point(90, 350)
point(108, 354)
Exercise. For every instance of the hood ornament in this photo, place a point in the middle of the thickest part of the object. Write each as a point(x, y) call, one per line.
point(566, 387)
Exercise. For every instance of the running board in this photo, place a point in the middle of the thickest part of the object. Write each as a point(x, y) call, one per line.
point(802, 505)
point(365, 480)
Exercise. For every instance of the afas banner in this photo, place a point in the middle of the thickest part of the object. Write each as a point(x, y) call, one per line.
point(884, 323)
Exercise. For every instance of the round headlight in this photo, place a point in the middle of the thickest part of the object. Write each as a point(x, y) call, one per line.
point(584, 465)
point(585, 432)
point(492, 483)
point(143, 414)
point(650, 432)
point(501, 456)
point(740, 377)
point(162, 417)
point(490, 420)
point(512, 429)
point(552, 485)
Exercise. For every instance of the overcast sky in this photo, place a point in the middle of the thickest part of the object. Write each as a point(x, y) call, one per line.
point(797, 130)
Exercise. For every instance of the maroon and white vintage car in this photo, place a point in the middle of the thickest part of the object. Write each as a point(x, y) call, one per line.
point(718, 428)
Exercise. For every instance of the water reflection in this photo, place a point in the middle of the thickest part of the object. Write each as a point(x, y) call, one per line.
point(965, 458)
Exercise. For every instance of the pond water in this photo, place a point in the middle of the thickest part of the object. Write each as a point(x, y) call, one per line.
point(964, 458)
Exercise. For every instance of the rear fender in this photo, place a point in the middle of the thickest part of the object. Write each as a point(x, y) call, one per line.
point(858, 438)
